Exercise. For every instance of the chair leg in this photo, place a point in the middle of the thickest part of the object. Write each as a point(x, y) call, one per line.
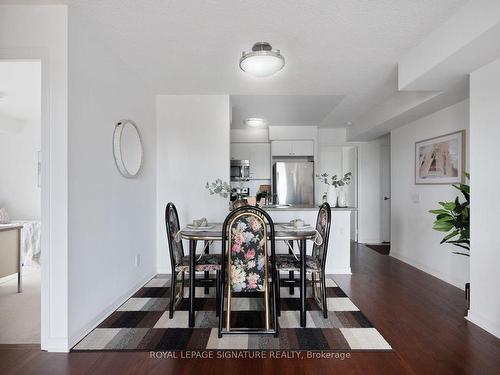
point(278, 293)
point(206, 274)
point(323, 287)
point(217, 296)
point(172, 295)
point(182, 284)
point(313, 283)
point(275, 312)
point(221, 304)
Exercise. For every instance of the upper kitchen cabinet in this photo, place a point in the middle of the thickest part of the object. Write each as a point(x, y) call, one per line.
point(259, 155)
point(292, 148)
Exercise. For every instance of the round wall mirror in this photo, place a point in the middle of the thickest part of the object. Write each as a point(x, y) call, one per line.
point(127, 148)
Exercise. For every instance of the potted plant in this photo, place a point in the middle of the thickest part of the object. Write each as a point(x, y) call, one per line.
point(333, 183)
point(218, 187)
point(453, 219)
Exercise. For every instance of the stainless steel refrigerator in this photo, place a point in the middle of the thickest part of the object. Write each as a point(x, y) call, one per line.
point(293, 182)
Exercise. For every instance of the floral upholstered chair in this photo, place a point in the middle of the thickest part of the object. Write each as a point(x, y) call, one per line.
point(248, 264)
point(180, 262)
point(315, 263)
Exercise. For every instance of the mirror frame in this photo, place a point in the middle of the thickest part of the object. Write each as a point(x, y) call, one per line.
point(117, 148)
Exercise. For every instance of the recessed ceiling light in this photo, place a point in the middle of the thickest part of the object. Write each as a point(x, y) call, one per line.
point(262, 61)
point(255, 122)
point(348, 123)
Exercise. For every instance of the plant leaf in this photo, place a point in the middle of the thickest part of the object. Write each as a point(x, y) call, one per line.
point(448, 205)
point(443, 226)
point(451, 235)
point(438, 211)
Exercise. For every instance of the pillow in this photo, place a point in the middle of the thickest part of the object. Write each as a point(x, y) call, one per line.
point(4, 216)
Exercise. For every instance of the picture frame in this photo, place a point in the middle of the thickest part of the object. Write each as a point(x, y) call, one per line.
point(440, 160)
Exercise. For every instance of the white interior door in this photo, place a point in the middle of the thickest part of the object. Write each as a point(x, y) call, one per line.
point(385, 175)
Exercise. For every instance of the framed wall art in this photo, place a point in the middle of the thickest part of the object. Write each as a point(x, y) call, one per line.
point(440, 160)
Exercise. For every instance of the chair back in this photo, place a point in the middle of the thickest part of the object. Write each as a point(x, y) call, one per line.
point(245, 249)
point(172, 224)
point(323, 227)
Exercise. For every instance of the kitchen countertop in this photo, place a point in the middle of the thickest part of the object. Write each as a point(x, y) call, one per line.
point(306, 208)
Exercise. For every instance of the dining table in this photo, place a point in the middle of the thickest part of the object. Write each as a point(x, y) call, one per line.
point(213, 232)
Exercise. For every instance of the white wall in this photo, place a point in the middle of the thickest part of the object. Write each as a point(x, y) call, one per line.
point(40, 32)
point(19, 191)
point(193, 148)
point(412, 238)
point(332, 136)
point(111, 218)
point(485, 187)
point(250, 135)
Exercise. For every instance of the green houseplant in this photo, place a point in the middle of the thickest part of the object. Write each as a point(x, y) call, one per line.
point(453, 219)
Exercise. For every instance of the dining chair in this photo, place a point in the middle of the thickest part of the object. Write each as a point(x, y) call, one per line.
point(180, 262)
point(248, 265)
point(315, 263)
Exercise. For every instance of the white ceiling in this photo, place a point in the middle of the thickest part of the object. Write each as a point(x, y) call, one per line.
point(282, 109)
point(20, 92)
point(332, 47)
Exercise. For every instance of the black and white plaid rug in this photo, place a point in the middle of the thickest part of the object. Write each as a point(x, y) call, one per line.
point(142, 323)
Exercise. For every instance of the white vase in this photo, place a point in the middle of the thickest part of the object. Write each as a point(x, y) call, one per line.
point(342, 198)
point(331, 196)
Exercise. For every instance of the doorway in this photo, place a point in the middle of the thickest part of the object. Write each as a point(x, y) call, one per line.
point(20, 201)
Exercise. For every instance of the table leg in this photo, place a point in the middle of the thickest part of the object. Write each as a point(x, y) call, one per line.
point(303, 283)
point(207, 274)
point(19, 282)
point(291, 276)
point(192, 250)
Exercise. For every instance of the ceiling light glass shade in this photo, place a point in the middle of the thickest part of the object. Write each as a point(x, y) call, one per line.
point(255, 122)
point(262, 61)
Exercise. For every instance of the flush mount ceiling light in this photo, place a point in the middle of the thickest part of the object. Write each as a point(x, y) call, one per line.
point(262, 61)
point(255, 122)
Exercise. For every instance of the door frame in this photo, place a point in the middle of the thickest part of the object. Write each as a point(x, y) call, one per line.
point(54, 201)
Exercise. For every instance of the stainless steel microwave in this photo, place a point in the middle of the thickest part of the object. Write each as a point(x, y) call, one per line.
point(240, 170)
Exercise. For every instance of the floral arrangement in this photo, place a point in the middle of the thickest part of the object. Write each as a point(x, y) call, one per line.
point(333, 180)
point(218, 187)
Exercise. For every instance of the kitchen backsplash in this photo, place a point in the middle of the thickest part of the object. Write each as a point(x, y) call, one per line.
point(252, 184)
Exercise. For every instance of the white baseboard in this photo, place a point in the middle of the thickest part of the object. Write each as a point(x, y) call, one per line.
point(422, 267)
point(339, 271)
point(370, 241)
point(484, 323)
point(56, 345)
point(75, 338)
point(164, 270)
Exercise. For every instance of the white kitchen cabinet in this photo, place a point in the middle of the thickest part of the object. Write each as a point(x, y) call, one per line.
point(259, 155)
point(281, 148)
point(303, 148)
point(292, 148)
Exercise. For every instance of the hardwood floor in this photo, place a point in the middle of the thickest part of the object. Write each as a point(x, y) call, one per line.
point(420, 316)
